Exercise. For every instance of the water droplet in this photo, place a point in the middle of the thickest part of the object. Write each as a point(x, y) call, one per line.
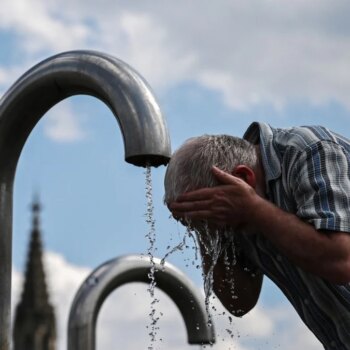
point(92, 280)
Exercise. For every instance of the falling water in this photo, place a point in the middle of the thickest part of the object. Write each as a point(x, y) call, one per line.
point(180, 246)
point(217, 244)
point(174, 249)
point(211, 246)
point(151, 236)
point(229, 262)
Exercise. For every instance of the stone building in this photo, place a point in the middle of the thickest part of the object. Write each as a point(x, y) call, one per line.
point(34, 325)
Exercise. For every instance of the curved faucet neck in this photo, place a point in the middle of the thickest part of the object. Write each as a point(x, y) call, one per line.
point(125, 92)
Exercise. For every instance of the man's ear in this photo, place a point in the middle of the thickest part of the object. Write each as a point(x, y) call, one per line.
point(245, 173)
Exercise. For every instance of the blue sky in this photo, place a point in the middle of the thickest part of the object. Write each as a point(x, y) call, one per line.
point(215, 67)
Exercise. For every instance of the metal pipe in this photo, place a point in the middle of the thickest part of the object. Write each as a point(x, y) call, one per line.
point(117, 272)
point(112, 81)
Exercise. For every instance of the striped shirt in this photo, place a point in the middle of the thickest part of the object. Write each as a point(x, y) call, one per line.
point(307, 172)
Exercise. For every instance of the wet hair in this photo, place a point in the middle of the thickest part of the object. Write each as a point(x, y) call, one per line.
point(190, 166)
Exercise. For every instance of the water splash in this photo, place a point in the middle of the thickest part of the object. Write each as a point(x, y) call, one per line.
point(174, 249)
point(151, 236)
point(92, 280)
point(230, 260)
point(211, 248)
point(215, 245)
point(212, 245)
point(181, 245)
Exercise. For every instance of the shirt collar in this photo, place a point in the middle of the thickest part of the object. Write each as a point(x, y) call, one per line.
point(263, 134)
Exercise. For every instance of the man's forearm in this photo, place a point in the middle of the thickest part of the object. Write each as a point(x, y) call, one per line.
point(323, 253)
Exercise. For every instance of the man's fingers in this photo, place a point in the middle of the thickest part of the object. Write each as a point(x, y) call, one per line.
point(197, 195)
point(193, 215)
point(199, 219)
point(189, 206)
point(223, 176)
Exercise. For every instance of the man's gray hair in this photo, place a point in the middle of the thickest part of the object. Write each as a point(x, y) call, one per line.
point(190, 166)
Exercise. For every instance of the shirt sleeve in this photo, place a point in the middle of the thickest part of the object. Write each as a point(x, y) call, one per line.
point(320, 179)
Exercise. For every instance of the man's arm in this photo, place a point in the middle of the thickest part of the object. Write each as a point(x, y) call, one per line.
point(323, 253)
point(236, 203)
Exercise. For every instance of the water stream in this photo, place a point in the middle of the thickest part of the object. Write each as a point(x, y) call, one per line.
point(151, 237)
point(217, 245)
point(212, 245)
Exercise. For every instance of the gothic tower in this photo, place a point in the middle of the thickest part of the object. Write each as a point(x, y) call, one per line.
point(34, 325)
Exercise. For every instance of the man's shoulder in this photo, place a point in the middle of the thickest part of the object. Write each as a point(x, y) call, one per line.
point(301, 137)
point(298, 138)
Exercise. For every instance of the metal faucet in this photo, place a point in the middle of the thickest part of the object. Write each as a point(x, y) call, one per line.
point(124, 91)
point(117, 272)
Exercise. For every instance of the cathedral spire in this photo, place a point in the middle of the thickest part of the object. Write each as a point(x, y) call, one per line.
point(36, 208)
point(34, 327)
point(35, 290)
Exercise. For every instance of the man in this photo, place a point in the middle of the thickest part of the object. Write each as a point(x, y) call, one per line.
point(284, 194)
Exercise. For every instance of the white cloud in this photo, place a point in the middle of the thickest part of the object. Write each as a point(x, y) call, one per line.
point(39, 27)
point(63, 281)
point(17, 281)
point(62, 124)
point(270, 52)
point(4, 76)
point(9, 74)
point(294, 335)
point(148, 48)
point(124, 317)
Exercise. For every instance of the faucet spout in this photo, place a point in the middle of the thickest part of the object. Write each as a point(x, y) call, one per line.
point(119, 271)
point(120, 87)
point(114, 82)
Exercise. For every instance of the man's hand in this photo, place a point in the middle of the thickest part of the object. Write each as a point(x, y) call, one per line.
point(236, 203)
point(229, 204)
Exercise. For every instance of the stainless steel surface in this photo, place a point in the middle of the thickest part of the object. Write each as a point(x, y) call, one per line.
point(115, 273)
point(112, 81)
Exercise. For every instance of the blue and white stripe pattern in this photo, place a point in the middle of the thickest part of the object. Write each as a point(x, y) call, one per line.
point(307, 172)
